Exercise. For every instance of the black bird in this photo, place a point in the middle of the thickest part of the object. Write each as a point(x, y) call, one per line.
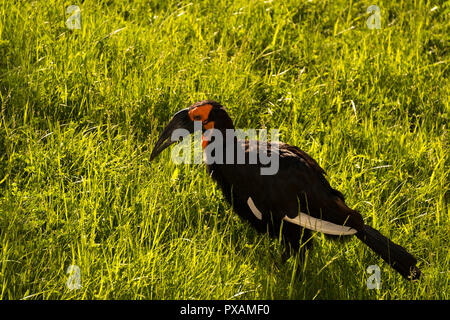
point(297, 198)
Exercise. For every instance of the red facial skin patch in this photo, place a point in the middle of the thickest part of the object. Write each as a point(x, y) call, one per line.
point(201, 113)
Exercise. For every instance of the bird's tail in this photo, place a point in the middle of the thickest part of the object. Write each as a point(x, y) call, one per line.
point(396, 256)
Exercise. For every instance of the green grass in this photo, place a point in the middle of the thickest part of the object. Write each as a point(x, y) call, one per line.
point(81, 109)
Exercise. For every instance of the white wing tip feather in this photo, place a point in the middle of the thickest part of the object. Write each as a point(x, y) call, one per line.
point(254, 209)
point(309, 222)
point(315, 224)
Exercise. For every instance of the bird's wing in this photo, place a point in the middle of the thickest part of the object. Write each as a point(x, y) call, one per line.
point(298, 192)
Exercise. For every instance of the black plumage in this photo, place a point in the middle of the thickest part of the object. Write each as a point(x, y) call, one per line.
point(299, 185)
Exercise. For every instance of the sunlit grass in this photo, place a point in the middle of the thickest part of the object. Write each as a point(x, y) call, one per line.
point(81, 109)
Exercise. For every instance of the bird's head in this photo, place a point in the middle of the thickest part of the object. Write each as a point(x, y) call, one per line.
point(211, 115)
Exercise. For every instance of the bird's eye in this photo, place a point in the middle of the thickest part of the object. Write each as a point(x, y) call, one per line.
point(198, 117)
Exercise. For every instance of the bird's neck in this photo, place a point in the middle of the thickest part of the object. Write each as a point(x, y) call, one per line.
point(223, 125)
point(218, 145)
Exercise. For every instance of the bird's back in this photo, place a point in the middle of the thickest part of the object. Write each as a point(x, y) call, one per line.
point(299, 185)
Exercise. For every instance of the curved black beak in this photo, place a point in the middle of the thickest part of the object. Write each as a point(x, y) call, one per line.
point(180, 120)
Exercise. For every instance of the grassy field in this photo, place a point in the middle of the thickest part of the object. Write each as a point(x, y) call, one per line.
point(81, 110)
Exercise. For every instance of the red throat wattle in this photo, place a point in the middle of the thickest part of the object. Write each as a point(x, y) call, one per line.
point(204, 142)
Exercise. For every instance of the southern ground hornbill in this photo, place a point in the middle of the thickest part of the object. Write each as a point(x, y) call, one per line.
point(297, 198)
